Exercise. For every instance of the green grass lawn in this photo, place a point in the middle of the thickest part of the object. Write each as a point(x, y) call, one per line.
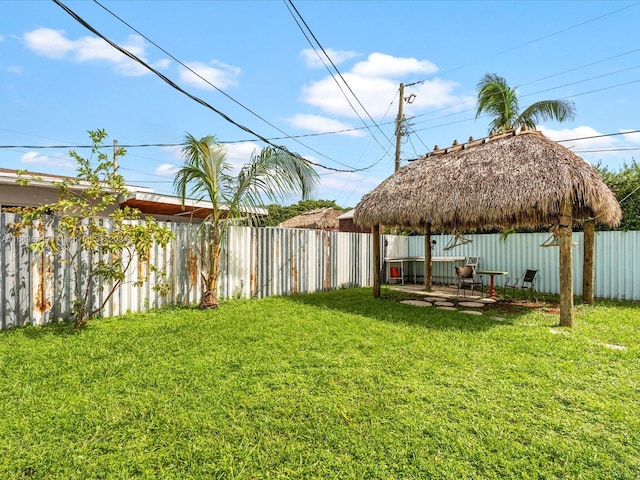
point(331, 385)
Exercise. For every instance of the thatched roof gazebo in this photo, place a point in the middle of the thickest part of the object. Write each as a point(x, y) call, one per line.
point(319, 219)
point(518, 179)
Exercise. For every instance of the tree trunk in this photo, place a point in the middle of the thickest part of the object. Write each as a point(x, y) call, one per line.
point(566, 268)
point(210, 294)
point(375, 232)
point(428, 273)
point(588, 266)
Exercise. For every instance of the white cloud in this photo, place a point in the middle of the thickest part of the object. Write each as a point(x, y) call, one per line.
point(317, 123)
point(599, 142)
point(610, 151)
point(57, 160)
point(633, 138)
point(162, 64)
point(167, 170)
point(219, 74)
point(174, 151)
point(312, 60)
point(375, 82)
point(375, 93)
point(48, 42)
point(54, 44)
point(383, 65)
point(239, 154)
point(437, 93)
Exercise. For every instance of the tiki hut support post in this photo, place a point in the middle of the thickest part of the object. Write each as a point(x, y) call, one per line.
point(588, 266)
point(566, 272)
point(375, 233)
point(427, 258)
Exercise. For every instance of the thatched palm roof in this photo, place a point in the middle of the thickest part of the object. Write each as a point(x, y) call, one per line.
point(321, 219)
point(517, 179)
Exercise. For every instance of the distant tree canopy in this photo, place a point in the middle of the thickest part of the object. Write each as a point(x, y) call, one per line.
point(625, 184)
point(279, 213)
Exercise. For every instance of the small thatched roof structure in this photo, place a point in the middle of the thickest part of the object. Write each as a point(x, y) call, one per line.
point(320, 219)
point(517, 179)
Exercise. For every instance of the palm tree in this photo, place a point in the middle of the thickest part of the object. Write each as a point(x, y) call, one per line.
point(206, 175)
point(500, 101)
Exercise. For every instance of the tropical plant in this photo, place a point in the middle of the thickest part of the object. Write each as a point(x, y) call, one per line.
point(271, 175)
point(625, 184)
point(500, 101)
point(100, 247)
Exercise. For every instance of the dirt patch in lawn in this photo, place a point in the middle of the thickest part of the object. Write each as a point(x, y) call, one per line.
point(523, 306)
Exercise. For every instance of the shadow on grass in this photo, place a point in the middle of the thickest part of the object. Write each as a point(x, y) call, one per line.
point(58, 329)
point(389, 309)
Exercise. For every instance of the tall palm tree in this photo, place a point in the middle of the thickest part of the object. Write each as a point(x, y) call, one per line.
point(206, 175)
point(499, 100)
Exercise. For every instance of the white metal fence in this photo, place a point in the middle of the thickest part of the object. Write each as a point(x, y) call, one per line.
point(38, 288)
point(616, 257)
point(261, 262)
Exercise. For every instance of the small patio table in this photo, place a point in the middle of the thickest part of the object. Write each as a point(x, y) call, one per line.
point(491, 273)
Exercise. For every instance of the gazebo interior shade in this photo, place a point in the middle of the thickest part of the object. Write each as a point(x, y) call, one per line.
point(518, 179)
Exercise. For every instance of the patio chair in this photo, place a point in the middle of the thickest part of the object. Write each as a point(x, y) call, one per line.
point(473, 262)
point(466, 279)
point(524, 282)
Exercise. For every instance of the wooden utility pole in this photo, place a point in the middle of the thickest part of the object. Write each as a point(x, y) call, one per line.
point(399, 126)
point(115, 156)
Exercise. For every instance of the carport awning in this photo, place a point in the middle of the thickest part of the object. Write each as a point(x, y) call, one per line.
point(156, 204)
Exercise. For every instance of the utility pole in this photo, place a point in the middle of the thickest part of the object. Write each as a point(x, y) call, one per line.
point(115, 156)
point(399, 127)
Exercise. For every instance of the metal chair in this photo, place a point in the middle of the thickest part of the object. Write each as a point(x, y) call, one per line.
point(466, 278)
point(524, 282)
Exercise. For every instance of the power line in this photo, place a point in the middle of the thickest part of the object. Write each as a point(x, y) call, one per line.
point(519, 47)
point(182, 144)
point(287, 136)
point(290, 2)
point(191, 96)
point(535, 40)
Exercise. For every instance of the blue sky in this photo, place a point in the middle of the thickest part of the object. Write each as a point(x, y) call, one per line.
point(58, 80)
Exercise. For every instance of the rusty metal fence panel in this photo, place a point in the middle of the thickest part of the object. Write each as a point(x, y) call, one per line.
point(39, 288)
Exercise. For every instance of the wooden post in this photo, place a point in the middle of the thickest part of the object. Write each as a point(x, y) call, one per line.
point(588, 265)
point(566, 268)
point(375, 232)
point(427, 259)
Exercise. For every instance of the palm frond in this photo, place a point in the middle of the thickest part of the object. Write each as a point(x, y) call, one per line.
point(498, 100)
point(203, 175)
point(272, 174)
point(559, 110)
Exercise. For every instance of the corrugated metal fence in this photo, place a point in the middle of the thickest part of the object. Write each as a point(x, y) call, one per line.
point(616, 257)
point(38, 288)
point(261, 262)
